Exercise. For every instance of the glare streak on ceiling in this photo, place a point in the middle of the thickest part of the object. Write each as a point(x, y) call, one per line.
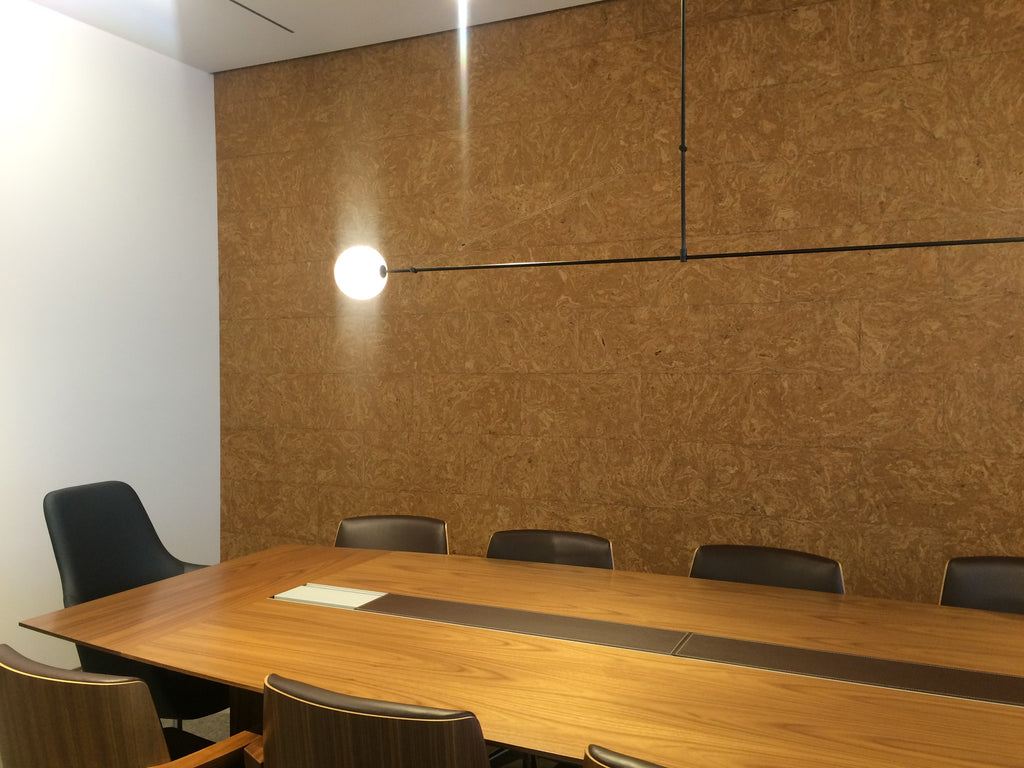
point(217, 35)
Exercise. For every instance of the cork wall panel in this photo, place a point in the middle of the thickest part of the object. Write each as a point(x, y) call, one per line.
point(862, 405)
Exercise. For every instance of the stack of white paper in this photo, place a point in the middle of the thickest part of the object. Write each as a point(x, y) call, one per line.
point(325, 594)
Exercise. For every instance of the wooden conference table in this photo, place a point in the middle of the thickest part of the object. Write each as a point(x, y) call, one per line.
point(682, 672)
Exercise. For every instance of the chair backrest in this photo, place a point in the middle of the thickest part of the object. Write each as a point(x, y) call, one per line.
point(309, 727)
point(599, 757)
point(403, 533)
point(104, 541)
point(54, 717)
point(990, 583)
point(559, 547)
point(769, 566)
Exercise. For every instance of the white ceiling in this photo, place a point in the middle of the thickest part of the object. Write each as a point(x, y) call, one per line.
point(216, 35)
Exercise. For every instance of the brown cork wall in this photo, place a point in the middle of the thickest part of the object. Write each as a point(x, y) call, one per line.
point(864, 406)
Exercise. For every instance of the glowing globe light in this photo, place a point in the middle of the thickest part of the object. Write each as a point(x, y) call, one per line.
point(360, 272)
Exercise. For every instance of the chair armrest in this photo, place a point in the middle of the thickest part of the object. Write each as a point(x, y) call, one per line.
point(254, 753)
point(224, 754)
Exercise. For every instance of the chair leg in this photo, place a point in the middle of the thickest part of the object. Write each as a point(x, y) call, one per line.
point(500, 758)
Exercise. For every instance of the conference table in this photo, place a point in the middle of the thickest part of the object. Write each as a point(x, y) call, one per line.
point(678, 671)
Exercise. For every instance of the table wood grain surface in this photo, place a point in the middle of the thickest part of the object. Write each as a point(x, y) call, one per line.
point(557, 696)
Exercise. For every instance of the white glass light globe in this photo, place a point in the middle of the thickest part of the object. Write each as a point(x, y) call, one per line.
point(360, 272)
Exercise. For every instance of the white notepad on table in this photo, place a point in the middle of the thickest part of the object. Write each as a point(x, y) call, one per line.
point(325, 594)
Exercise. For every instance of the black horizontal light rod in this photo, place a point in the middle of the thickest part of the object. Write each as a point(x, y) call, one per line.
point(726, 255)
point(852, 248)
point(520, 264)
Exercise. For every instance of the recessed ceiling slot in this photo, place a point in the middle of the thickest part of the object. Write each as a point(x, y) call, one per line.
point(265, 18)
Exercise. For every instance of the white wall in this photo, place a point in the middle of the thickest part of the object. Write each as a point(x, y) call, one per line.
point(109, 337)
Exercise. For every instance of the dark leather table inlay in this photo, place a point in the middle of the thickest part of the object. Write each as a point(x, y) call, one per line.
point(924, 678)
point(866, 670)
point(593, 631)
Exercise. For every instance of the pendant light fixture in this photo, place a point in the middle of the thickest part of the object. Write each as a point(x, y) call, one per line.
point(364, 273)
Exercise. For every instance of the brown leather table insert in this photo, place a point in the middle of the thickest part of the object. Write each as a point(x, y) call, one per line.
point(629, 636)
point(923, 678)
point(865, 670)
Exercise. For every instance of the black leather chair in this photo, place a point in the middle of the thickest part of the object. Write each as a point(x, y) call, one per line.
point(104, 543)
point(403, 533)
point(309, 727)
point(56, 717)
point(599, 757)
point(987, 582)
point(559, 547)
point(769, 566)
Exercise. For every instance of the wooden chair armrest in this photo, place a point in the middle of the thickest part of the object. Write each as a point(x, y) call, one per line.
point(254, 753)
point(224, 754)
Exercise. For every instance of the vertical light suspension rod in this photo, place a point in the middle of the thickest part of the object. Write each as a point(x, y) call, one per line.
point(682, 129)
